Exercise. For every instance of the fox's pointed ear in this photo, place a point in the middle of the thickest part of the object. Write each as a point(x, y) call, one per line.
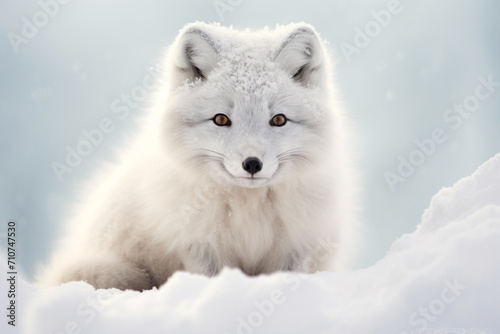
point(301, 56)
point(196, 55)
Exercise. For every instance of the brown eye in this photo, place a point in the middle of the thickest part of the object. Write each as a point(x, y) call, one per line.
point(222, 120)
point(278, 120)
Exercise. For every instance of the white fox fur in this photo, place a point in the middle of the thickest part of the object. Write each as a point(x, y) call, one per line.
point(179, 197)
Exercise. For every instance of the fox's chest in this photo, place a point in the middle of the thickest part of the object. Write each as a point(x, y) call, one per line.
point(250, 233)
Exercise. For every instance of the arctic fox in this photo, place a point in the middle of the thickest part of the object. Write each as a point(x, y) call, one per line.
point(241, 162)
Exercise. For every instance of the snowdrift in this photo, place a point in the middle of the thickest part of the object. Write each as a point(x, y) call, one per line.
point(443, 278)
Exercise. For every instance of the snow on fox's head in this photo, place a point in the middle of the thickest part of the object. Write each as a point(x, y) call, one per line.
point(247, 107)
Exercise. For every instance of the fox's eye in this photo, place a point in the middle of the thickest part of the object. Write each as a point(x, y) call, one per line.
point(278, 120)
point(221, 120)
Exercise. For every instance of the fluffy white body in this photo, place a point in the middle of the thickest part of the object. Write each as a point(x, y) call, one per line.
point(184, 194)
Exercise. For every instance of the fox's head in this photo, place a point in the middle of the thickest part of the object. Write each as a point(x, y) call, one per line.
point(248, 107)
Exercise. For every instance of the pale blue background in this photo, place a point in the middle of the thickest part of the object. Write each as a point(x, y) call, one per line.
point(396, 90)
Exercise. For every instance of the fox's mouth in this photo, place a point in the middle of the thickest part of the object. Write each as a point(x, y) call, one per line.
point(251, 181)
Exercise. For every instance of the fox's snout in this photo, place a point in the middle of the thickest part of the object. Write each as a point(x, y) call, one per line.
point(252, 165)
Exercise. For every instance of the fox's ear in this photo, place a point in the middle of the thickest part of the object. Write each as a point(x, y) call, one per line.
point(301, 56)
point(196, 55)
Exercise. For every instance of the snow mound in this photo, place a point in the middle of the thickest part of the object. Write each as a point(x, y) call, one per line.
point(443, 278)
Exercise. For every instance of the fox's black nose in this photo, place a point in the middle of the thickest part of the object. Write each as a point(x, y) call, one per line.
point(252, 165)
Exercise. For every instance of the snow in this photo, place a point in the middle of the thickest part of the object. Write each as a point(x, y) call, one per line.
point(443, 278)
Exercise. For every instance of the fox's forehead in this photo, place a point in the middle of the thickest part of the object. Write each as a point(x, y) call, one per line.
point(249, 69)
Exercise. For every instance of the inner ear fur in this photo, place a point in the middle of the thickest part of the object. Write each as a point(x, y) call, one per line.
point(196, 55)
point(301, 56)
